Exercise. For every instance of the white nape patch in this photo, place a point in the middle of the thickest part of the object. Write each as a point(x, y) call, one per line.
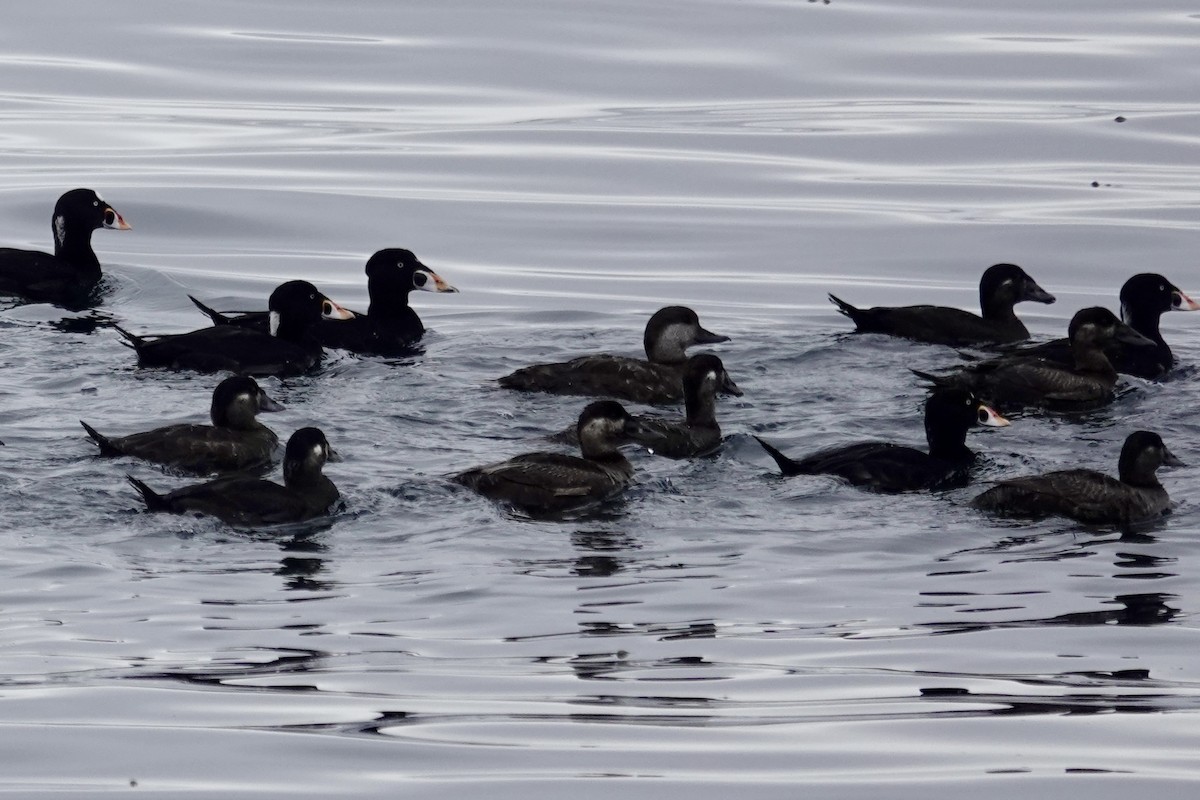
point(273, 323)
point(60, 230)
point(98, 197)
point(1125, 313)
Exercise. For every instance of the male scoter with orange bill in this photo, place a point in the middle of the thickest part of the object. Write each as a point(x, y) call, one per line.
point(288, 348)
point(390, 327)
point(67, 277)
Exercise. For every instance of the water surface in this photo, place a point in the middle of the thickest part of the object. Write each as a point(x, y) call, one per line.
point(571, 168)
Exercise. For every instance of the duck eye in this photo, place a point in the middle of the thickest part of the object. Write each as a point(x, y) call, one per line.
point(96, 203)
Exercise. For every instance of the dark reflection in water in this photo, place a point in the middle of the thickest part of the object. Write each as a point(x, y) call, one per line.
point(228, 672)
point(1135, 609)
point(602, 553)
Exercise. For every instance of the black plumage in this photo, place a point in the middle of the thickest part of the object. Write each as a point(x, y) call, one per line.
point(1014, 381)
point(1001, 287)
point(235, 440)
point(67, 277)
point(550, 482)
point(245, 501)
point(289, 348)
point(656, 380)
point(1090, 496)
point(887, 467)
point(390, 327)
point(1144, 299)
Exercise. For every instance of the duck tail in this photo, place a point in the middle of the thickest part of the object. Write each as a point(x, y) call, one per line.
point(107, 448)
point(154, 500)
point(216, 316)
point(933, 380)
point(131, 339)
point(786, 465)
point(843, 307)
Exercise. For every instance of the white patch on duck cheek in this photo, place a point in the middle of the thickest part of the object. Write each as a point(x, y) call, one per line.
point(60, 230)
point(273, 323)
point(318, 453)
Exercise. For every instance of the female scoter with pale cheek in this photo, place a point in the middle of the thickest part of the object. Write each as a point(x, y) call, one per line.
point(68, 277)
point(1001, 287)
point(236, 440)
point(657, 380)
point(1090, 496)
point(886, 467)
point(1144, 299)
point(1015, 381)
point(550, 482)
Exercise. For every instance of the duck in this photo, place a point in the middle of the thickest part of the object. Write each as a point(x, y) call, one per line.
point(1015, 382)
point(1001, 287)
point(289, 348)
point(658, 380)
point(544, 482)
point(698, 433)
point(390, 326)
point(67, 277)
point(1144, 299)
point(1089, 496)
point(245, 501)
point(236, 440)
point(891, 468)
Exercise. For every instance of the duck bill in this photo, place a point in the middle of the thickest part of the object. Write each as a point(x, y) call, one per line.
point(331, 310)
point(333, 456)
point(1127, 335)
point(1037, 294)
point(989, 417)
point(265, 403)
point(708, 337)
point(1181, 302)
point(114, 221)
point(1172, 460)
point(435, 283)
point(731, 388)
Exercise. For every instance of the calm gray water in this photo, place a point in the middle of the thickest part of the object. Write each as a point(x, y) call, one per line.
point(572, 167)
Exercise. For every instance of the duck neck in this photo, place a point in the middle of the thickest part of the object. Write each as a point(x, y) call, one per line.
point(948, 443)
point(1090, 359)
point(74, 246)
point(701, 408)
point(998, 309)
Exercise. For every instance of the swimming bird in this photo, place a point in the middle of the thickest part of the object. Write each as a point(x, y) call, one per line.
point(1090, 496)
point(1001, 287)
point(549, 482)
point(887, 467)
point(390, 326)
point(236, 440)
point(1013, 382)
point(1144, 299)
point(68, 277)
point(657, 380)
point(290, 348)
point(245, 501)
point(698, 433)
